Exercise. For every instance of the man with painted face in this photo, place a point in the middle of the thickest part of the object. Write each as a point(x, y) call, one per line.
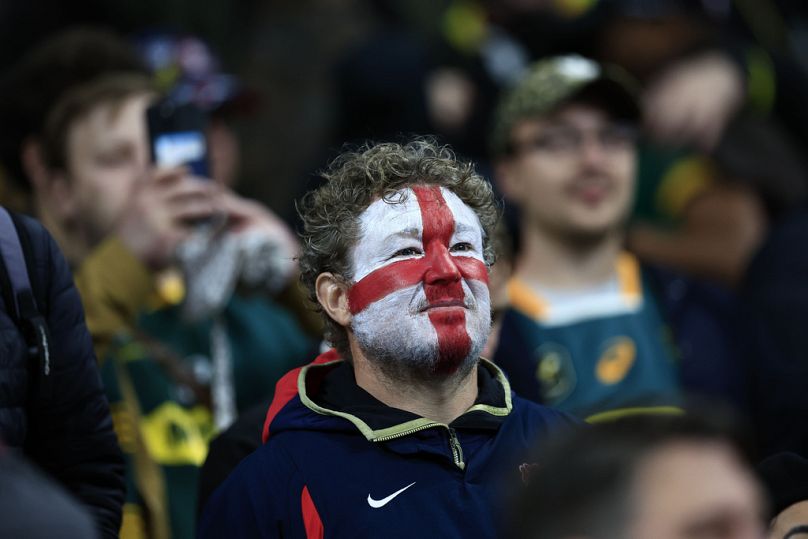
point(590, 330)
point(402, 428)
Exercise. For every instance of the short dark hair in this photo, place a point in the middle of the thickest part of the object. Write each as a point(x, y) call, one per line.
point(330, 213)
point(36, 83)
point(112, 89)
point(583, 482)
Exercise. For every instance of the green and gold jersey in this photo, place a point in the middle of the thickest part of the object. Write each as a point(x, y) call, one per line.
point(589, 351)
point(158, 382)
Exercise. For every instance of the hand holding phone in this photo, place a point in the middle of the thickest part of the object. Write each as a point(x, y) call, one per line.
point(177, 137)
point(164, 209)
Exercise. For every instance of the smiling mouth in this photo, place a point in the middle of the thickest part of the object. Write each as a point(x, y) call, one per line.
point(590, 192)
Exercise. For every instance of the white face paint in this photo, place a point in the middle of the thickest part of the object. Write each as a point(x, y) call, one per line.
point(396, 331)
point(389, 227)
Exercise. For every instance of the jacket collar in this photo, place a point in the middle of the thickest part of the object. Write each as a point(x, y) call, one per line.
point(331, 389)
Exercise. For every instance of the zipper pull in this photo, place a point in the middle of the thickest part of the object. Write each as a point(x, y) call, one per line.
point(457, 449)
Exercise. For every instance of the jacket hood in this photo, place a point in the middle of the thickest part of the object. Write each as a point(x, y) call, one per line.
point(324, 396)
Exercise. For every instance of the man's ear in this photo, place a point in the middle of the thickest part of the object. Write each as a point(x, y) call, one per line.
point(51, 187)
point(332, 293)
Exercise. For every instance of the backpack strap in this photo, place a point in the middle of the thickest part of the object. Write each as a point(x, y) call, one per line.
point(15, 255)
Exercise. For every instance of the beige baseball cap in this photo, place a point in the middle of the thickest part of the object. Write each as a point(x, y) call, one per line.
point(551, 82)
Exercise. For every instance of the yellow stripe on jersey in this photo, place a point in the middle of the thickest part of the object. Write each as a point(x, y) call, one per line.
point(628, 275)
point(521, 297)
point(618, 413)
point(524, 298)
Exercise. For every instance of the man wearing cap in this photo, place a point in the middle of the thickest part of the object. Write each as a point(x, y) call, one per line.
point(589, 329)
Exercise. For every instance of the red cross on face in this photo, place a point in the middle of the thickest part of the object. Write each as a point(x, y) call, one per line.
point(444, 249)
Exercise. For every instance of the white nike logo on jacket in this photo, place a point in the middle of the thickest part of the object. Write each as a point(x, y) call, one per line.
point(384, 501)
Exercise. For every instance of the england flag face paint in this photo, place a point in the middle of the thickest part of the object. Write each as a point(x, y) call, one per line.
point(420, 295)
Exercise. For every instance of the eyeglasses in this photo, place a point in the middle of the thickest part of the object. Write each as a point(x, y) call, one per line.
point(566, 140)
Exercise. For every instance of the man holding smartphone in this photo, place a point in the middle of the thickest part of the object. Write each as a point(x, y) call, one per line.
point(120, 220)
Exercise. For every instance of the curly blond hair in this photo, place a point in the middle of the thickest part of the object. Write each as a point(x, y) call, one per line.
point(330, 213)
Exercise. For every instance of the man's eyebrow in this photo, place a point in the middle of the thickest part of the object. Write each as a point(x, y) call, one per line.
point(796, 530)
point(461, 226)
point(411, 232)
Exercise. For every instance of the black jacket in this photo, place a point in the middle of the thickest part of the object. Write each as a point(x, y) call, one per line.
point(61, 421)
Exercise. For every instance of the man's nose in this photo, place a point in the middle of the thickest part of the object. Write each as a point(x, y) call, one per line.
point(442, 265)
point(593, 152)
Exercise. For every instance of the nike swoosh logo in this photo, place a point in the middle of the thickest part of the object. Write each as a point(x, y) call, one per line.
point(384, 501)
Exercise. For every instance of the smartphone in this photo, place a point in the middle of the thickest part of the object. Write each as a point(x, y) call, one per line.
point(177, 136)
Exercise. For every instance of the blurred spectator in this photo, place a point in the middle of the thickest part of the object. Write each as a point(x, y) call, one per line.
point(679, 476)
point(706, 76)
point(52, 405)
point(786, 478)
point(181, 354)
point(27, 92)
point(700, 64)
point(700, 72)
point(590, 329)
point(186, 70)
point(753, 178)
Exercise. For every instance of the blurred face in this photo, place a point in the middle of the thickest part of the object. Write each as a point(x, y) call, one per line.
point(419, 302)
point(696, 491)
point(572, 172)
point(791, 523)
point(108, 154)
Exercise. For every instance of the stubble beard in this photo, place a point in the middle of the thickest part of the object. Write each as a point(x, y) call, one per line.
point(400, 342)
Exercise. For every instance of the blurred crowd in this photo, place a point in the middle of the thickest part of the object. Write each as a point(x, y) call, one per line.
point(649, 283)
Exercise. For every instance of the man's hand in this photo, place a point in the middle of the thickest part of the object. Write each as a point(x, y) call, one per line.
point(692, 101)
point(250, 217)
point(162, 211)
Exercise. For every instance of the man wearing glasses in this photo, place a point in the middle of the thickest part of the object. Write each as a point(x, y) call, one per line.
point(590, 330)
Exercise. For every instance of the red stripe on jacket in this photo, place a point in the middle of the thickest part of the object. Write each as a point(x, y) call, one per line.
point(311, 518)
point(286, 389)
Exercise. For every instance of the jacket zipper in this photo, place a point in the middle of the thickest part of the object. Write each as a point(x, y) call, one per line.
point(404, 433)
point(454, 443)
point(457, 450)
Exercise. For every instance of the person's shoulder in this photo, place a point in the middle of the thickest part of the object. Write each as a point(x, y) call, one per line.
point(48, 270)
point(29, 222)
point(265, 479)
point(36, 233)
point(541, 417)
point(261, 475)
point(277, 455)
point(265, 474)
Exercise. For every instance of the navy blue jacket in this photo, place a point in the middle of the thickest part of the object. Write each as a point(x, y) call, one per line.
point(61, 421)
point(338, 463)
